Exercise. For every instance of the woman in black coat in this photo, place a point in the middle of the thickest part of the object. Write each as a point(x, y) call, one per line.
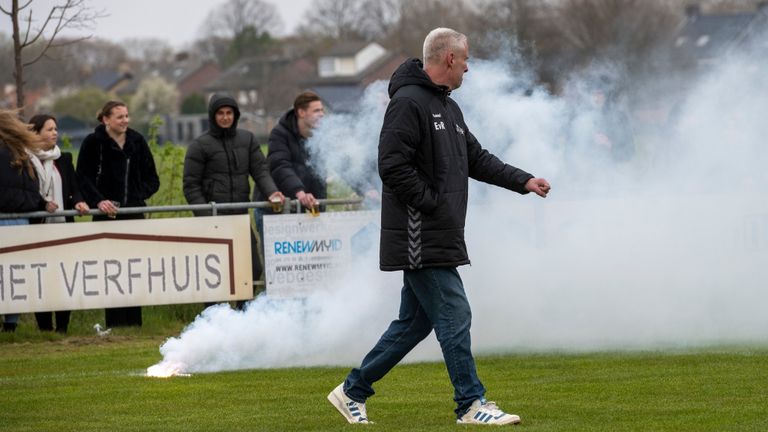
point(116, 169)
point(19, 192)
point(59, 187)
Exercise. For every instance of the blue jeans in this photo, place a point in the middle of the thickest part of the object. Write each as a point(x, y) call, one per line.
point(432, 298)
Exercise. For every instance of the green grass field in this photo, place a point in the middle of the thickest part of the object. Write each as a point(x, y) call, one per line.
point(83, 382)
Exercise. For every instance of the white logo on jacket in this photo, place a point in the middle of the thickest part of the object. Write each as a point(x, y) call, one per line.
point(439, 126)
point(459, 129)
point(438, 115)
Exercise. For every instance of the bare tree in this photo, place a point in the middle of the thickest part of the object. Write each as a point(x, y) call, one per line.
point(379, 18)
point(231, 19)
point(6, 58)
point(154, 96)
point(73, 64)
point(626, 29)
point(418, 17)
point(335, 19)
point(505, 24)
point(150, 51)
point(72, 14)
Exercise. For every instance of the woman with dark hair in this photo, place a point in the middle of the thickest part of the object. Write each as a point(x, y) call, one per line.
point(19, 191)
point(59, 188)
point(116, 169)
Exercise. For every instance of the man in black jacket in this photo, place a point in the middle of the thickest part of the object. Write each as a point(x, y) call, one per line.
point(426, 155)
point(218, 163)
point(288, 156)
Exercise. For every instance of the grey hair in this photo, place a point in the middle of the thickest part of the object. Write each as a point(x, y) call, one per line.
point(440, 40)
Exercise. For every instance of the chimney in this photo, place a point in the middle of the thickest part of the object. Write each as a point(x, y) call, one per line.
point(693, 11)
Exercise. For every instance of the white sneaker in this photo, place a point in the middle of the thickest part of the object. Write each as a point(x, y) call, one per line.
point(487, 413)
point(353, 411)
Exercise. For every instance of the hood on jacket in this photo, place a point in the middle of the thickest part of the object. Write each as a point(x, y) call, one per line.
point(290, 122)
point(217, 101)
point(411, 72)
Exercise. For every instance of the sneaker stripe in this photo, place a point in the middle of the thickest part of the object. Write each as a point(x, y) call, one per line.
point(483, 417)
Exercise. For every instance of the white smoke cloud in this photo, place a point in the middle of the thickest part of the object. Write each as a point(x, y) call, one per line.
point(665, 249)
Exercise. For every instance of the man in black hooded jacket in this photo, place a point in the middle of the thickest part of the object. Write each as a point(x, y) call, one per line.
point(288, 155)
point(218, 163)
point(426, 156)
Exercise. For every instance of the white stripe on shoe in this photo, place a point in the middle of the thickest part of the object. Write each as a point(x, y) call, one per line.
point(353, 411)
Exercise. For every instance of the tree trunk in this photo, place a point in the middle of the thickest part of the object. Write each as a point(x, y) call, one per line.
point(18, 73)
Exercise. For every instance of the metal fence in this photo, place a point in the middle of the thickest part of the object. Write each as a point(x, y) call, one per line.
point(290, 206)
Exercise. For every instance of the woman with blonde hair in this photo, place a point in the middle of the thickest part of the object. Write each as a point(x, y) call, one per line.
point(19, 191)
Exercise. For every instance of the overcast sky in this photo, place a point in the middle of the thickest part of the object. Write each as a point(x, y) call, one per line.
point(176, 21)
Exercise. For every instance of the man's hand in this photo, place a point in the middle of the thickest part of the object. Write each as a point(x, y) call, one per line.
point(539, 186)
point(277, 196)
point(306, 199)
point(108, 207)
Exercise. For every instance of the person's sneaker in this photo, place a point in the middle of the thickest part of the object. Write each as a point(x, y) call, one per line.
point(484, 412)
point(353, 411)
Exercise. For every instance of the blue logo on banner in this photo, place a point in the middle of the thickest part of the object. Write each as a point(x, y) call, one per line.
point(307, 246)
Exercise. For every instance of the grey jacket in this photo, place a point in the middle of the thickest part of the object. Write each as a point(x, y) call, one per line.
point(219, 162)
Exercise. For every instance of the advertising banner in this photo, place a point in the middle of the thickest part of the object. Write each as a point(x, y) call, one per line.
point(303, 252)
point(97, 265)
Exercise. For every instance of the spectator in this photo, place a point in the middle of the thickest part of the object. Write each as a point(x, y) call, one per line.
point(19, 191)
point(288, 156)
point(116, 169)
point(614, 132)
point(60, 189)
point(219, 162)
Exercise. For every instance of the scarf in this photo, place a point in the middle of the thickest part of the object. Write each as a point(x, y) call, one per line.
point(48, 178)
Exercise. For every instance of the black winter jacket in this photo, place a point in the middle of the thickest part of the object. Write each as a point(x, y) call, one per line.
point(19, 191)
point(70, 187)
point(218, 163)
point(426, 155)
point(107, 172)
point(289, 160)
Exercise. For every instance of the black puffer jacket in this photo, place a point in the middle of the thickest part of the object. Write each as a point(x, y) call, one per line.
point(289, 160)
point(426, 155)
point(19, 192)
point(218, 163)
point(106, 171)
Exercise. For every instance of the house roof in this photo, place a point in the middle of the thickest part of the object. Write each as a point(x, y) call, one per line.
point(340, 98)
point(704, 37)
point(248, 73)
point(343, 94)
point(346, 49)
point(379, 69)
point(108, 79)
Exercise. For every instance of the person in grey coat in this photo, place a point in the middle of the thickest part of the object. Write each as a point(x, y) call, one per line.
point(219, 162)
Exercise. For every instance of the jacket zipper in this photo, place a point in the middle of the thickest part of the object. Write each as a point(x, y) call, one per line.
point(127, 172)
point(229, 169)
